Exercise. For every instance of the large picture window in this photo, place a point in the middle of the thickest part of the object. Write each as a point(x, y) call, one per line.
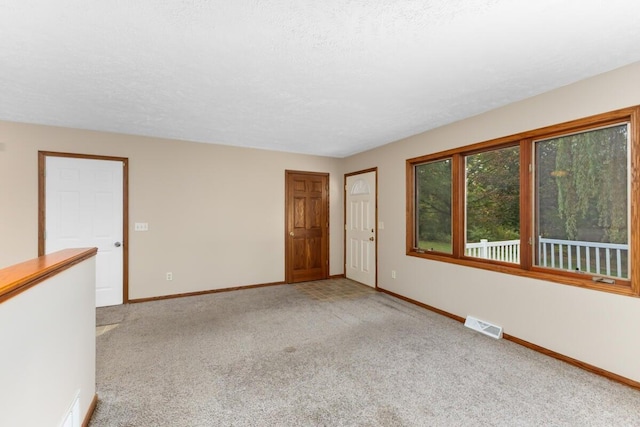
point(553, 203)
point(582, 202)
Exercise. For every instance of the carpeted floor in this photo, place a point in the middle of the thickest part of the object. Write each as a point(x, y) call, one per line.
point(284, 356)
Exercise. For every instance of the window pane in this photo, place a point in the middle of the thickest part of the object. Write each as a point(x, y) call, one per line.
point(493, 205)
point(582, 189)
point(433, 206)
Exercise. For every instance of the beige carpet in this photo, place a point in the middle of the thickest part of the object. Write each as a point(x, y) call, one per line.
point(295, 355)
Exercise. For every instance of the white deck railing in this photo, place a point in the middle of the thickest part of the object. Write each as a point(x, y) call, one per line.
point(609, 259)
point(506, 250)
point(583, 256)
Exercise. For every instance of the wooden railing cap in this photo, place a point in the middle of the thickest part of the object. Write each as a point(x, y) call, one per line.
point(20, 277)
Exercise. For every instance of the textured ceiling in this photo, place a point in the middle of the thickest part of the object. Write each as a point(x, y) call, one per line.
point(330, 77)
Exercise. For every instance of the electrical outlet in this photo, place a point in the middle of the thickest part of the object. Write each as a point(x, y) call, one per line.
point(169, 276)
point(393, 274)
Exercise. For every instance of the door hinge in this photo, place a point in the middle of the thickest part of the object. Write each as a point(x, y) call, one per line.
point(530, 241)
point(530, 168)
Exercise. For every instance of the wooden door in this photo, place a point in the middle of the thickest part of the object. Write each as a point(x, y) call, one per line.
point(307, 226)
point(360, 234)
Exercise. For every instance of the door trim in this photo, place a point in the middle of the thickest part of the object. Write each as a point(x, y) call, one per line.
point(344, 203)
point(288, 272)
point(42, 157)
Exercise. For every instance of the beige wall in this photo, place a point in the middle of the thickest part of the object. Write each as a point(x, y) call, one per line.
point(595, 327)
point(215, 213)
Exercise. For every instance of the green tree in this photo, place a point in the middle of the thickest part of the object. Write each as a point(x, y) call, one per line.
point(591, 179)
point(549, 221)
point(433, 185)
point(493, 195)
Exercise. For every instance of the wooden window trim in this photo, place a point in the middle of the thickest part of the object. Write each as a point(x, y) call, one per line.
point(525, 140)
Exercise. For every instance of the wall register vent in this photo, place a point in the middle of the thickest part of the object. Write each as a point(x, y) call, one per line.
point(486, 328)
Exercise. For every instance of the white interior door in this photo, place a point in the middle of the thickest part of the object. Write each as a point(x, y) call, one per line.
point(361, 229)
point(84, 208)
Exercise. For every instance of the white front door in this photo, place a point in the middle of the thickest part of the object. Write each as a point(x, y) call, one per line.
point(361, 233)
point(84, 208)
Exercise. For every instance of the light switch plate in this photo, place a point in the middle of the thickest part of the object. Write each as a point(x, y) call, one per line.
point(141, 226)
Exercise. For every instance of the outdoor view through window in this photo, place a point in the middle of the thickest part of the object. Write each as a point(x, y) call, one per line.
point(433, 200)
point(582, 191)
point(493, 205)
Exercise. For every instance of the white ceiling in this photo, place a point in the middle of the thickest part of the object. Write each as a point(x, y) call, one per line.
point(327, 77)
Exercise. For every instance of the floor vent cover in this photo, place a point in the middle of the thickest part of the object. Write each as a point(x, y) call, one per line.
point(486, 328)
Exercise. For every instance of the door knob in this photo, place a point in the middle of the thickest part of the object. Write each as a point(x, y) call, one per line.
point(371, 238)
point(117, 244)
point(291, 233)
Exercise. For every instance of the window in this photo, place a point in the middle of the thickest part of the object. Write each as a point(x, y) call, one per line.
point(492, 208)
point(433, 201)
point(553, 203)
point(582, 207)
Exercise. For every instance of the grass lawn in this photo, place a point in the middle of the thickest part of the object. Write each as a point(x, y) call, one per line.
point(436, 246)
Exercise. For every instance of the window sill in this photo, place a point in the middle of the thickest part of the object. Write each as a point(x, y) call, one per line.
point(622, 287)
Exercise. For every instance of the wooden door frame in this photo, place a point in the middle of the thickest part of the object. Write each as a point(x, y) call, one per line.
point(287, 261)
point(344, 203)
point(42, 158)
